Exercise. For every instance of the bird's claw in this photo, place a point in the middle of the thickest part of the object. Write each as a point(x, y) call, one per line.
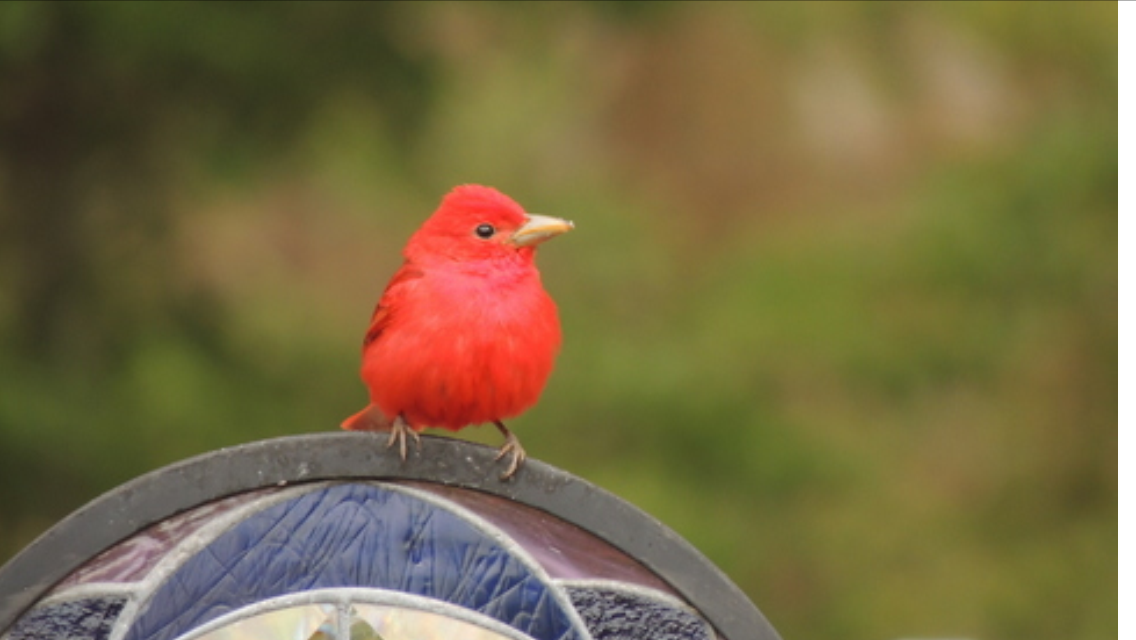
point(399, 429)
point(512, 444)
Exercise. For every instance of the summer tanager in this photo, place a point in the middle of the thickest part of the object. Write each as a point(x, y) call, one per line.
point(464, 333)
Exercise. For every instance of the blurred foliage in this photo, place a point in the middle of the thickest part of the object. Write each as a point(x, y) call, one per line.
point(840, 307)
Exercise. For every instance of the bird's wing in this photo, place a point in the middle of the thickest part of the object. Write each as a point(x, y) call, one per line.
point(381, 318)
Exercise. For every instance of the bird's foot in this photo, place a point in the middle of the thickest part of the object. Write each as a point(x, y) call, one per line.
point(513, 445)
point(399, 430)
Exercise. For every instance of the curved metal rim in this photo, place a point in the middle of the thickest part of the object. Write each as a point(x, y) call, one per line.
point(157, 495)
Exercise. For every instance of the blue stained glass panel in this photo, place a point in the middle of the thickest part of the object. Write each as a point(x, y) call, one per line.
point(355, 535)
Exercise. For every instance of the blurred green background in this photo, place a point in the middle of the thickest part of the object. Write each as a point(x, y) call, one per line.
point(840, 307)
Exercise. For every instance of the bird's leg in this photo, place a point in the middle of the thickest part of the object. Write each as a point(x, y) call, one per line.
point(399, 429)
point(511, 444)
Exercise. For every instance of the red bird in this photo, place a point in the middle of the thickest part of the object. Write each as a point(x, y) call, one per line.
point(464, 333)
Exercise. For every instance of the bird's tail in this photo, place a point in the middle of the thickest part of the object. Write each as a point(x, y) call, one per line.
point(370, 418)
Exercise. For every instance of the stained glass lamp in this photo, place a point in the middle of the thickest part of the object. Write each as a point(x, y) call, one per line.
point(331, 537)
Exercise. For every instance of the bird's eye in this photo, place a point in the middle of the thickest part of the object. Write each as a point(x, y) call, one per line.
point(485, 230)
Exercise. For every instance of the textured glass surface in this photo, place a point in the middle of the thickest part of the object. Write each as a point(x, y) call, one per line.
point(354, 614)
point(357, 535)
point(311, 621)
point(613, 612)
point(133, 558)
point(397, 623)
point(564, 550)
point(78, 619)
point(543, 577)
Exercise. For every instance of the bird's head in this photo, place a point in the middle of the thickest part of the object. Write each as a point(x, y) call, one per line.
point(477, 223)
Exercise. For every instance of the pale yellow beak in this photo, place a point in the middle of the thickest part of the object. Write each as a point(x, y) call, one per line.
point(537, 229)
